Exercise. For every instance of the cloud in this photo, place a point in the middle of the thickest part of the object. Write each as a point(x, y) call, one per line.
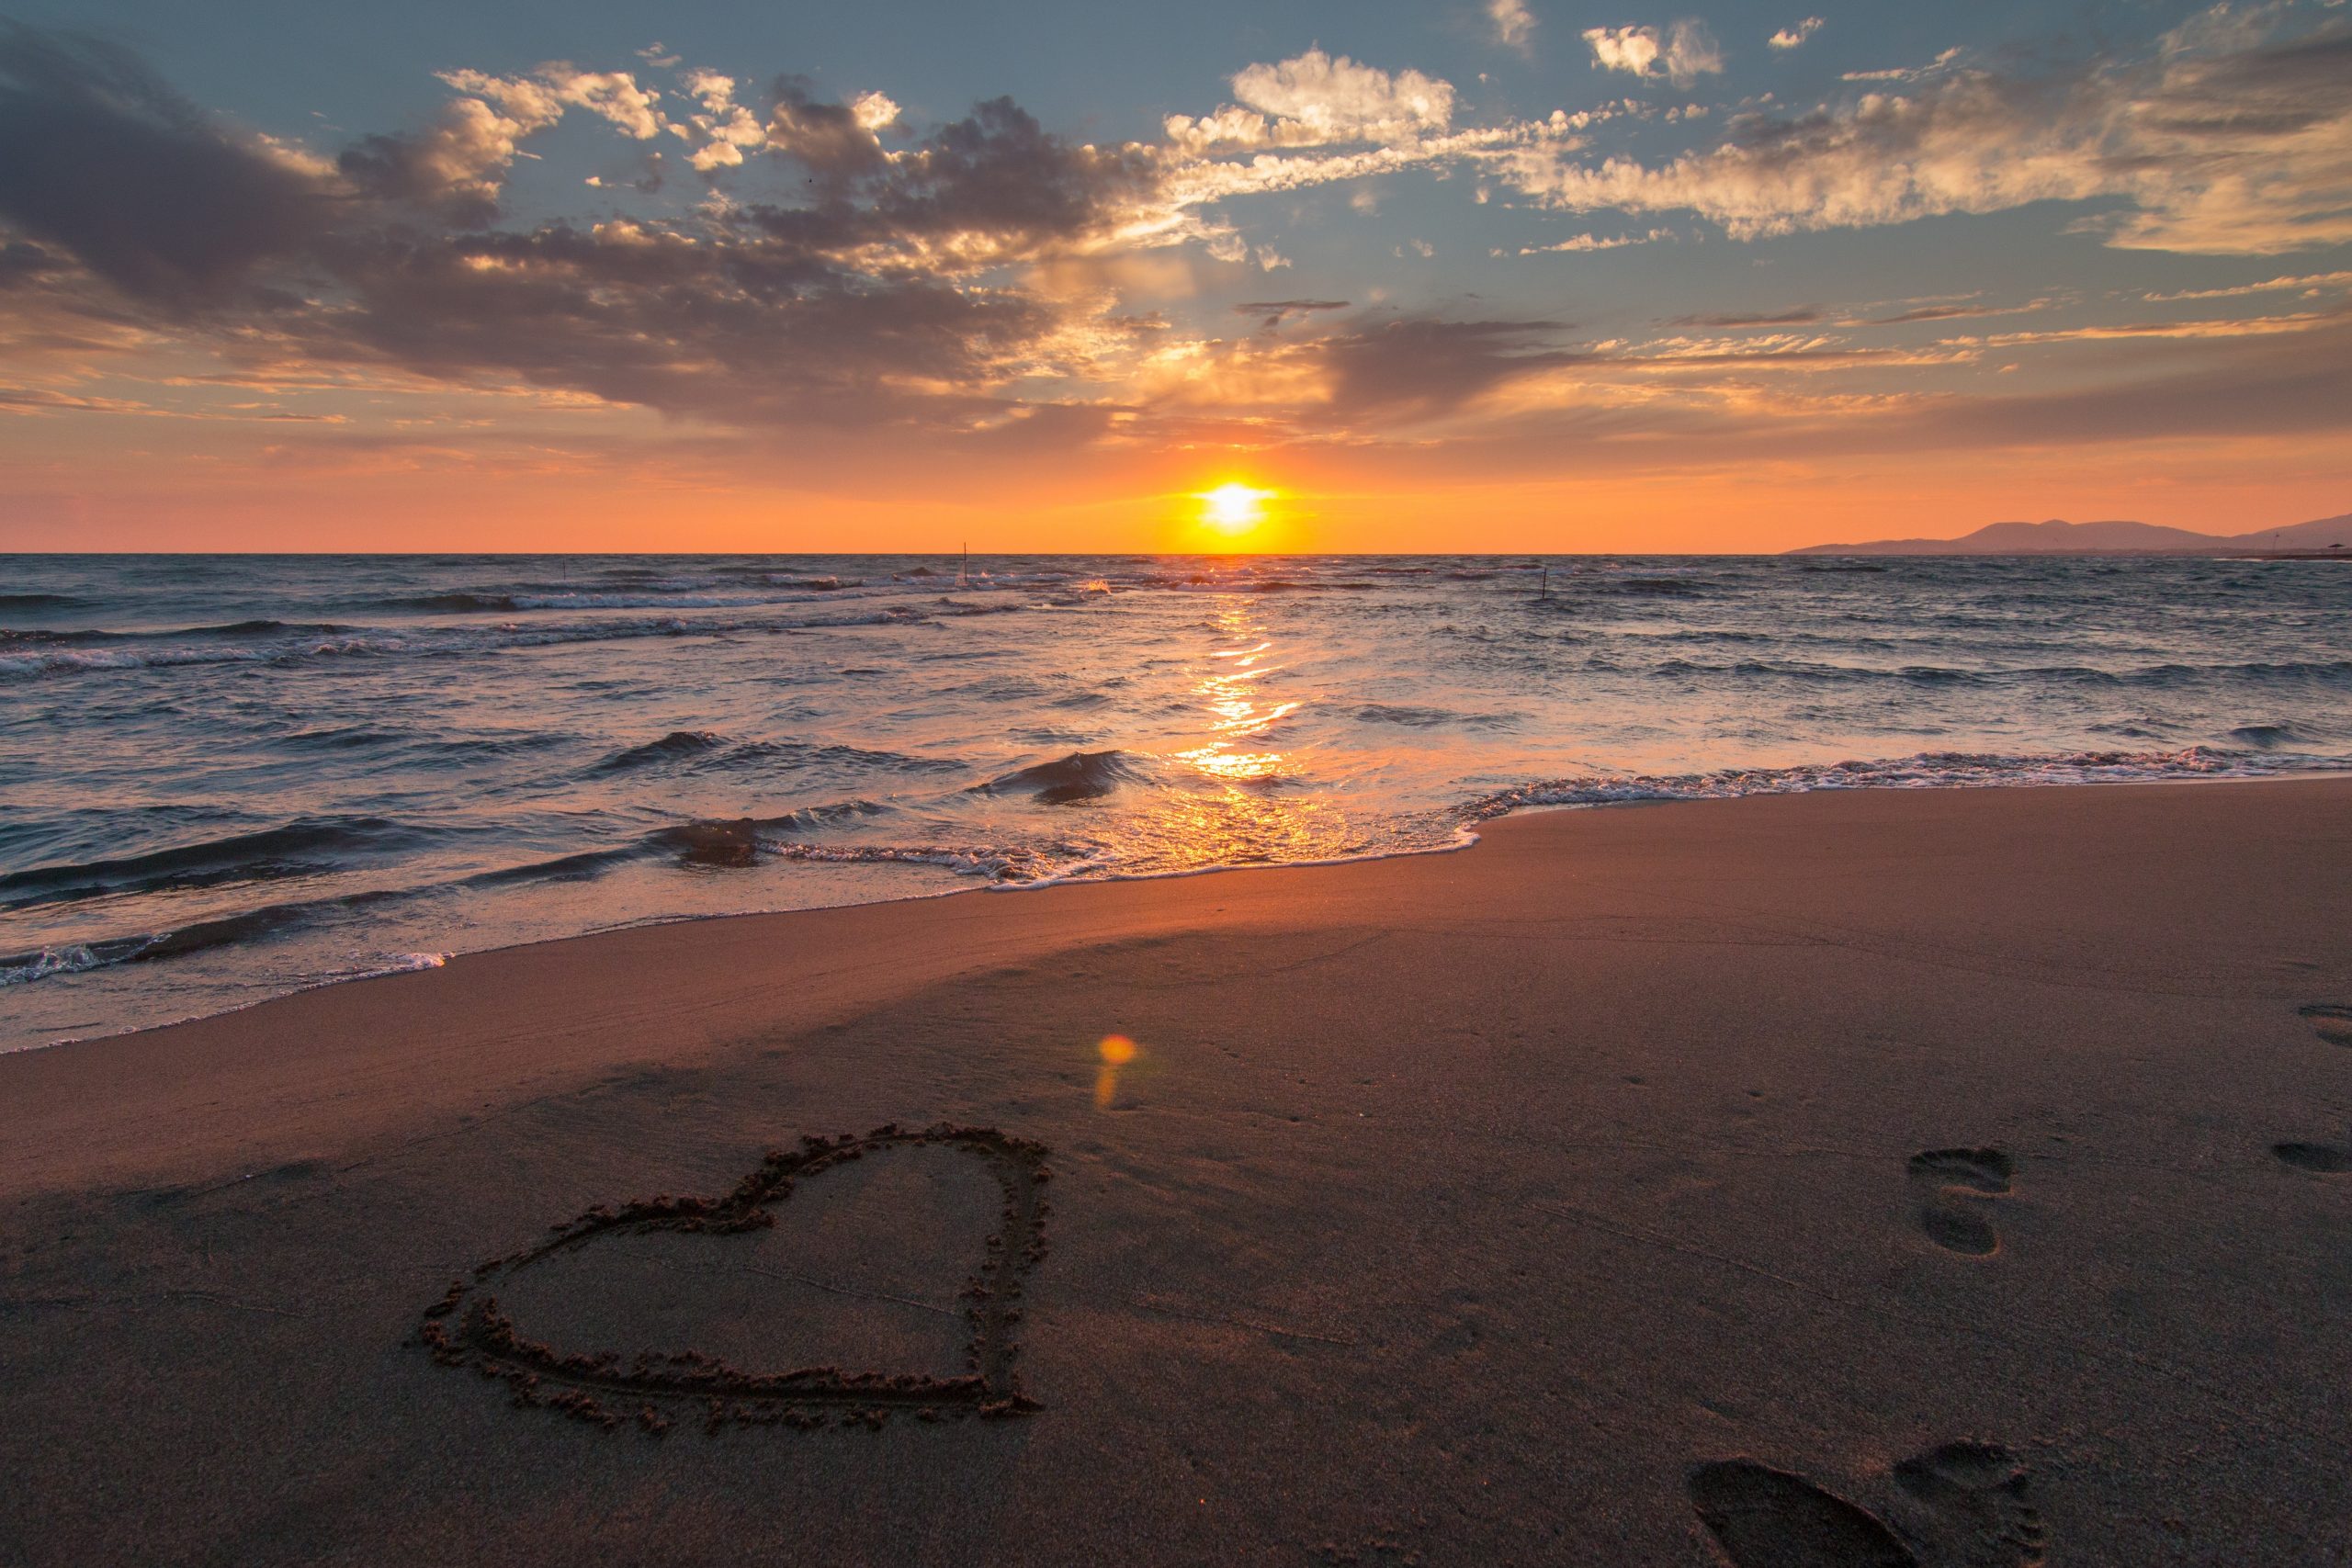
point(862, 304)
point(100, 158)
point(1791, 37)
point(1419, 367)
point(2309, 283)
point(1582, 243)
point(834, 142)
point(1802, 315)
point(1275, 313)
point(1954, 313)
point(1317, 100)
point(540, 98)
point(1905, 72)
point(2248, 151)
point(1514, 25)
point(459, 162)
point(1686, 52)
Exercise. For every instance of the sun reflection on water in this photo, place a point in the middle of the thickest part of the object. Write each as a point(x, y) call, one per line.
point(1236, 714)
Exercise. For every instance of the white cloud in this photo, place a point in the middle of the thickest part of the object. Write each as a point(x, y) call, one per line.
point(1315, 99)
point(1514, 23)
point(731, 129)
point(1905, 72)
point(1582, 243)
point(470, 148)
point(1790, 38)
point(2310, 283)
point(2247, 151)
point(1687, 51)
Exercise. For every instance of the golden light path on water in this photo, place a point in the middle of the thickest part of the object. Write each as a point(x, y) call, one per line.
point(1245, 812)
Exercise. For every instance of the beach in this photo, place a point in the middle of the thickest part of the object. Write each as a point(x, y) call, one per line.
point(1945, 1177)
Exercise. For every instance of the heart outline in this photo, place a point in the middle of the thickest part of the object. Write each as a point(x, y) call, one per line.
point(467, 1328)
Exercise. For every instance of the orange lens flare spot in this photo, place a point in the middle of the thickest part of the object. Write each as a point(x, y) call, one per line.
point(1118, 1049)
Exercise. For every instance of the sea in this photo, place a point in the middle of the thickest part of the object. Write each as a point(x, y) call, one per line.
point(227, 778)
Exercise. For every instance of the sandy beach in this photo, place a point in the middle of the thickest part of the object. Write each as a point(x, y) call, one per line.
point(1946, 1176)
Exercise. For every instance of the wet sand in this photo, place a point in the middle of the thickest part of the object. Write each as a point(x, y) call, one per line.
point(1941, 1177)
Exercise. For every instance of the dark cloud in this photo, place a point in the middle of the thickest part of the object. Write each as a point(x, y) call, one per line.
point(1420, 367)
point(825, 138)
point(1803, 316)
point(22, 261)
point(405, 167)
point(747, 334)
point(99, 156)
point(996, 183)
point(1942, 313)
point(2278, 90)
point(1276, 312)
point(999, 172)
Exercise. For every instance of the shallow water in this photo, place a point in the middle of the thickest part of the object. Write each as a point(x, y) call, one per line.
point(225, 778)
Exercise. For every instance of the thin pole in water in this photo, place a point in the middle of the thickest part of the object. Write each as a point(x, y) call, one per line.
point(1544, 591)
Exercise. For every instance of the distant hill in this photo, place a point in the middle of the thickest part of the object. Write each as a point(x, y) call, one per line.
point(2103, 538)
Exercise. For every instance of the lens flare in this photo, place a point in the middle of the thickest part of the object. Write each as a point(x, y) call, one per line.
point(1117, 1051)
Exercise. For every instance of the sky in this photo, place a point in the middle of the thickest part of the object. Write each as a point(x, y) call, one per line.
point(1453, 275)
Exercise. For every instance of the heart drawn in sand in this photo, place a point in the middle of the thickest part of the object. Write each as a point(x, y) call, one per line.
point(467, 1328)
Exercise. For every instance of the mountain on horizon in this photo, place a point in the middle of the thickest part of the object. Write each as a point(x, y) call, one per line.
point(2118, 538)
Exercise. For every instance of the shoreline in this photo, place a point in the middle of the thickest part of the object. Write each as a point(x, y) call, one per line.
point(636, 943)
point(1976, 1157)
point(1467, 835)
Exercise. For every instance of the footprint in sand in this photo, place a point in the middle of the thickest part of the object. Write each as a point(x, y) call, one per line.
point(1944, 1179)
point(1977, 1493)
point(2324, 1158)
point(1971, 1513)
point(2331, 1021)
point(1768, 1518)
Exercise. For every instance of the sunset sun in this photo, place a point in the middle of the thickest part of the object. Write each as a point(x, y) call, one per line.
point(1234, 508)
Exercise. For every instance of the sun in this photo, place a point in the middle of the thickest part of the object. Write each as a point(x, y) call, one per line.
point(1234, 507)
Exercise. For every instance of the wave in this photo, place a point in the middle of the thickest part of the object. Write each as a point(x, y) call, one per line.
point(701, 749)
point(1429, 718)
point(491, 603)
point(33, 637)
point(2271, 737)
point(296, 643)
point(582, 866)
point(738, 841)
point(227, 930)
point(677, 744)
point(12, 604)
point(1003, 864)
point(2156, 677)
point(1081, 775)
point(1926, 770)
point(305, 846)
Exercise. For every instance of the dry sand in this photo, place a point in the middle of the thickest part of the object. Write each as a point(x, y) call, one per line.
point(1945, 1177)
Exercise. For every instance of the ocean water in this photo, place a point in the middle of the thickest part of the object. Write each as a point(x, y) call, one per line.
point(226, 778)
